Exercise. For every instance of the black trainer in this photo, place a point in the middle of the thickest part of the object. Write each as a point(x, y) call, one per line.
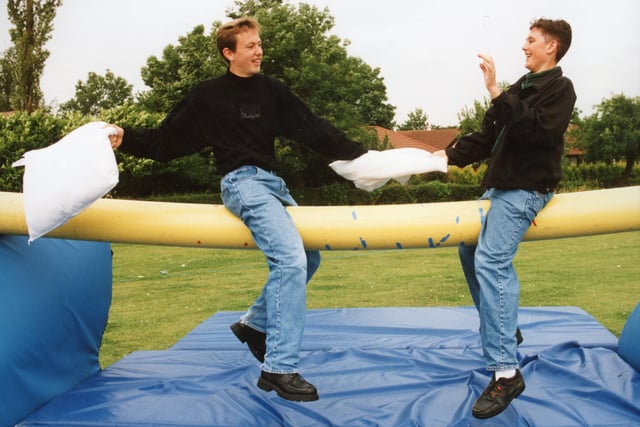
point(256, 340)
point(497, 396)
point(288, 386)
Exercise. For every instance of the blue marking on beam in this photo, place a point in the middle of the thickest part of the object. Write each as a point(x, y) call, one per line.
point(482, 215)
point(363, 243)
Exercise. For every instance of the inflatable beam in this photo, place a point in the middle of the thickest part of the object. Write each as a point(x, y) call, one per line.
point(424, 225)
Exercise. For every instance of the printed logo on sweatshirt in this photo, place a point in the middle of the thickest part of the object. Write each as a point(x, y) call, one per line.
point(249, 111)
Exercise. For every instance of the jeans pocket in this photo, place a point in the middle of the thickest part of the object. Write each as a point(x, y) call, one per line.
point(537, 201)
point(229, 186)
point(244, 173)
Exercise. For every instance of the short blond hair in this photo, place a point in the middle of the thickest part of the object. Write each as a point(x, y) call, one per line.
point(226, 38)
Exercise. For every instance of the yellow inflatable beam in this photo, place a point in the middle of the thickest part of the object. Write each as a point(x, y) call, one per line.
point(333, 227)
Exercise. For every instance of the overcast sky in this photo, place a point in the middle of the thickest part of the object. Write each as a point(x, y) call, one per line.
point(426, 50)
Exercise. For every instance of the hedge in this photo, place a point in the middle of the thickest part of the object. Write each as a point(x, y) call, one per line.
point(193, 179)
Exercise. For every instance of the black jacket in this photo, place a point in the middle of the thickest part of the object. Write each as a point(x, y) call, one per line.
point(522, 132)
point(240, 119)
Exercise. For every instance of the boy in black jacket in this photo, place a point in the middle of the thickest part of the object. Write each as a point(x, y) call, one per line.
point(522, 133)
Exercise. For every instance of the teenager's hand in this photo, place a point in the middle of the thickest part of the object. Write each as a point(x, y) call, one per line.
point(489, 72)
point(115, 136)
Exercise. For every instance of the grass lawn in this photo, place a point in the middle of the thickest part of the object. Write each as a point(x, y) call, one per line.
point(161, 293)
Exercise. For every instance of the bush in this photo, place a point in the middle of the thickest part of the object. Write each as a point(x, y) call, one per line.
point(466, 176)
point(460, 192)
point(333, 194)
point(434, 191)
point(595, 175)
point(195, 176)
point(22, 132)
point(201, 198)
point(394, 194)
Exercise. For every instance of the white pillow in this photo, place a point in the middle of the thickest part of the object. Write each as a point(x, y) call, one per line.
point(65, 178)
point(374, 168)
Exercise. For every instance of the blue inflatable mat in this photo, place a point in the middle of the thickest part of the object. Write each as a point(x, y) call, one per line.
point(54, 301)
point(372, 367)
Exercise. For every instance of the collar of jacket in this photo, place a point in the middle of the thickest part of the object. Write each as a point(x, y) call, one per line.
point(539, 79)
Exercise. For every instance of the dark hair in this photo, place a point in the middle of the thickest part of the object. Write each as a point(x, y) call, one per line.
point(227, 33)
point(560, 30)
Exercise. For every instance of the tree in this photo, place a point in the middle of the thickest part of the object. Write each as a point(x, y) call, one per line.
point(297, 50)
point(300, 51)
point(193, 60)
point(416, 120)
point(345, 90)
point(612, 133)
point(33, 21)
point(99, 93)
point(471, 118)
point(6, 83)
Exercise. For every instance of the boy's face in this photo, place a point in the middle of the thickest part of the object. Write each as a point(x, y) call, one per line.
point(540, 54)
point(245, 61)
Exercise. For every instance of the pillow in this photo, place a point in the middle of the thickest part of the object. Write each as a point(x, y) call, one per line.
point(374, 168)
point(65, 178)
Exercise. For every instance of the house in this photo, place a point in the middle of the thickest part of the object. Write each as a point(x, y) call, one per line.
point(573, 154)
point(439, 139)
point(429, 140)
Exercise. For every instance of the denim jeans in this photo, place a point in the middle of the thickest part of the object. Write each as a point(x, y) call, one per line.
point(259, 199)
point(488, 268)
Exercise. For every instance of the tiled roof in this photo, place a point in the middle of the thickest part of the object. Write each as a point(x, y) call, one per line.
point(575, 152)
point(439, 138)
point(570, 142)
point(399, 140)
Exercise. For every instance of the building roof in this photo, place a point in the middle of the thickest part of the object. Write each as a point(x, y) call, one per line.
point(429, 140)
point(439, 138)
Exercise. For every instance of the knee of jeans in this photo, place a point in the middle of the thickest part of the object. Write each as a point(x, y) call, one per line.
point(294, 260)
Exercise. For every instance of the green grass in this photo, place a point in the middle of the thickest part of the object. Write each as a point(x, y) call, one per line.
point(161, 293)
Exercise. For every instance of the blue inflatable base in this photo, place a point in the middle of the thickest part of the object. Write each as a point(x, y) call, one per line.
point(629, 342)
point(372, 367)
point(54, 301)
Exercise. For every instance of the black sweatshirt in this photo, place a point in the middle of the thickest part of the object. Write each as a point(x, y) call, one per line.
point(523, 133)
point(240, 119)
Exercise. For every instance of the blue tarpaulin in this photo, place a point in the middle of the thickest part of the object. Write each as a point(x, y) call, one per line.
point(372, 367)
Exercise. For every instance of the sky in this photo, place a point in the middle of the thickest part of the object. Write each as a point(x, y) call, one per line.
point(426, 50)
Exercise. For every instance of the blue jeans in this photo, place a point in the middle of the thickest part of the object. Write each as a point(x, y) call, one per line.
point(259, 199)
point(488, 268)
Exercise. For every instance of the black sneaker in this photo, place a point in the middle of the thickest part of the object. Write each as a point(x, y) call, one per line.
point(288, 386)
point(256, 340)
point(497, 396)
